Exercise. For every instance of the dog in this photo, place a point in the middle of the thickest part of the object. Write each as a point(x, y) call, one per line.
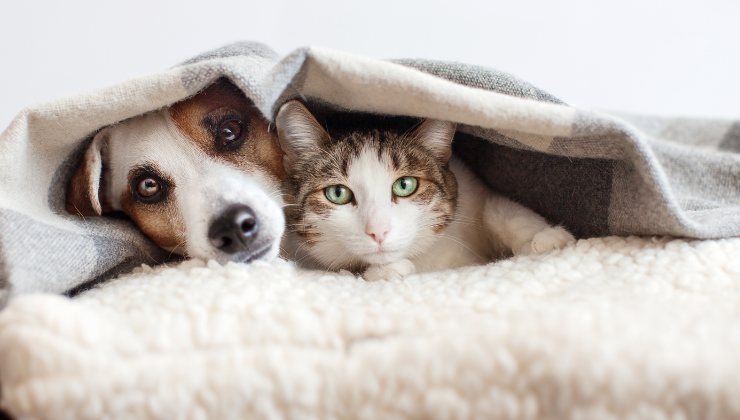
point(201, 178)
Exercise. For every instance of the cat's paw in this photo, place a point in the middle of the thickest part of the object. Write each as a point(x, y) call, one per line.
point(548, 239)
point(392, 271)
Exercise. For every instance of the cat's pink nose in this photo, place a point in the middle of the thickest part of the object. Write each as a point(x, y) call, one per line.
point(377, 233)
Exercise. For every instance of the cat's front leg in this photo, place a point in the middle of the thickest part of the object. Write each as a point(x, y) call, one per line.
point(522, 230)
point(548, 239)
point(393, 271)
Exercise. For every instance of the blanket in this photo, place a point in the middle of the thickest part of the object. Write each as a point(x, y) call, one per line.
point(595, 173)
point(612, 328)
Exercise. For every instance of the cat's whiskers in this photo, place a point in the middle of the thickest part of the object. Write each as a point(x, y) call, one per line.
point(461, 217)
point(329, 260)
point(333, 265)
point(300, 260)
point(300, 248)
point(461, 222)
point(424, 235)
point(457, 241)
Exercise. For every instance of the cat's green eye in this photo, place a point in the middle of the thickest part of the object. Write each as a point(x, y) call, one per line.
point(338, 194)
point(405, 186)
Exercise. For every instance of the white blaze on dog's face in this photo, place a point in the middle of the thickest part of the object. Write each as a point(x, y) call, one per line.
point(200, 178)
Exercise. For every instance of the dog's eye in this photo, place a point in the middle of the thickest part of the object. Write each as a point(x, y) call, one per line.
point(230, 134)
point(149, 188)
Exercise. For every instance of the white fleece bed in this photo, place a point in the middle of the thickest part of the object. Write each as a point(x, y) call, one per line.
point(609, 328)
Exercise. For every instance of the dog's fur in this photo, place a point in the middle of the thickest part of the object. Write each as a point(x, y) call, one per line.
point(198, 177)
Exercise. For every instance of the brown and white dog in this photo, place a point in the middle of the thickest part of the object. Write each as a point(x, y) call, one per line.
point(200, 178)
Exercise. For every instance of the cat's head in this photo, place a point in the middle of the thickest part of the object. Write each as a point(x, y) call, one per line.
point(366, 196)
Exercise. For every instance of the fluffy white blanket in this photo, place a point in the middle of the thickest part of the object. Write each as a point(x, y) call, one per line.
point(613, 327)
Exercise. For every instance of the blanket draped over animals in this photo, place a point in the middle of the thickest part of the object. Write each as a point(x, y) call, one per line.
point(608, 328)
point(596, 173)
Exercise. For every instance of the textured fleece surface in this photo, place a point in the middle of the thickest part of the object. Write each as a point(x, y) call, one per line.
point(608, 328)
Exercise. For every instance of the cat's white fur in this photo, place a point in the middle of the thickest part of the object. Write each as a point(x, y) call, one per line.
point(485, 225)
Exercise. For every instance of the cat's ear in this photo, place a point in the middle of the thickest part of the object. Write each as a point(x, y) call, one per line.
point(436, 135)
point(298, 131)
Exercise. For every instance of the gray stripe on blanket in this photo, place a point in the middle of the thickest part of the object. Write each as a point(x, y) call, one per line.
point(707, 133)
point(573, 192)
point(237, 49)
point(731, 141)
point(108, 246)
point(480, 77)
point(50, 264)
point(633, 201)
point(295, 65)
point(200, 72)
point(4, 281)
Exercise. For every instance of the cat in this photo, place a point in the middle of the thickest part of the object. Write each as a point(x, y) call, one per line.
point(389, 202)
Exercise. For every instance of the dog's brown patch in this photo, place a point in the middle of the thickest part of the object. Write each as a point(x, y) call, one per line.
point(81, 200)
point(194, 116)
point(85, 195)
point(161, 221)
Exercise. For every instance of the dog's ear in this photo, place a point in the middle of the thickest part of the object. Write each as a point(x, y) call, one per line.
point(83, 191)
point(298, 132)
point(437, 136)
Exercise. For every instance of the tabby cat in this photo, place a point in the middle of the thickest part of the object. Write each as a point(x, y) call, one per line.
point(389, 201)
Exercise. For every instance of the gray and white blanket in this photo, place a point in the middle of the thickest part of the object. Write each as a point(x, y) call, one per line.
point(596, 173)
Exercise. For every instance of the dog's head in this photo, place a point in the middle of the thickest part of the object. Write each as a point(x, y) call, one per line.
point(200, 178)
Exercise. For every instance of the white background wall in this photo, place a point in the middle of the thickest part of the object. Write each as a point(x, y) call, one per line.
point(671, 57)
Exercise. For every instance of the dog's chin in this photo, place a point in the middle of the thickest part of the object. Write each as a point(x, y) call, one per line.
point(266, 252)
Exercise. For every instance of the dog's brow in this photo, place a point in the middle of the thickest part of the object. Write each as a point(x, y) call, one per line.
point(149, 168)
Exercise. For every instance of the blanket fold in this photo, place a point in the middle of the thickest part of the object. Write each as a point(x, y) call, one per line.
point(596, 173)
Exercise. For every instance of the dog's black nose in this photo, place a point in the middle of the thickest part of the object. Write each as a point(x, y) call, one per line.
point(234, 230)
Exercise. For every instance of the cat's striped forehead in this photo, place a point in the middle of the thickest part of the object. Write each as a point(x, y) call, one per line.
point(369, 159)
point(331, 164)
